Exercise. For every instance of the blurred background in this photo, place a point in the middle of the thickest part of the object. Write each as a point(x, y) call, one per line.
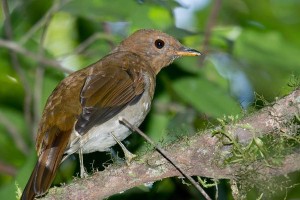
point(251, 57)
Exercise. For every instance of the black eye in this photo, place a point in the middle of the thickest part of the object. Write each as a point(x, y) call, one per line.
point(159, 44)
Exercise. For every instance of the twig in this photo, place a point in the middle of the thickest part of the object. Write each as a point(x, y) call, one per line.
point(85, 44)
point(46, 61)
point(37, 96)
point(210, 24)
point(7, 169)
point(55, 7)
point(14, 133)
point(164, 154)
point(17, 67)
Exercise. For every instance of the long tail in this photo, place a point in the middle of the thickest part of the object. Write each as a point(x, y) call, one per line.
point(46, 167)
point(32, 189)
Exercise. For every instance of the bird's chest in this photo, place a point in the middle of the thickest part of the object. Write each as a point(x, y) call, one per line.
point(99, 137)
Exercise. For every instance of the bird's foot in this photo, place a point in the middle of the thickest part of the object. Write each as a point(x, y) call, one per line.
point(83, 173)
point(128, 156)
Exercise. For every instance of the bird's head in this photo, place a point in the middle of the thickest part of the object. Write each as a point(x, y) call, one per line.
point(156, 47)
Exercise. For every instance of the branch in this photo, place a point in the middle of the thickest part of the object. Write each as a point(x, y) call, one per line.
point(87, 43)
point(201, 154)
point(44, 20)
point(210, 24)
point(43, 60)
point(7, 169)
point(168, 158)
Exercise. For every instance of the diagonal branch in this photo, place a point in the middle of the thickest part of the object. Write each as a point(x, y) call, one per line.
point(201, 154)
point(20, 50)
point(168, 158)
point(44, 20)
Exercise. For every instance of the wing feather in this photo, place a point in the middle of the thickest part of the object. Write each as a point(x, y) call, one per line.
point(107, 93)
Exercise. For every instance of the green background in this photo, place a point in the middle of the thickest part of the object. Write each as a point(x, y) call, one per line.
point(253, 50)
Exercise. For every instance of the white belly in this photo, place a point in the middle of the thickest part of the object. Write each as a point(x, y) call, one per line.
point(99, 137)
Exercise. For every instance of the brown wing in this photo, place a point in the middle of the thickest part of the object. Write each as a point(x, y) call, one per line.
point(107, 93)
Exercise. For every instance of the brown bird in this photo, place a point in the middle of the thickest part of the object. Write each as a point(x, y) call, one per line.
point(82, 113)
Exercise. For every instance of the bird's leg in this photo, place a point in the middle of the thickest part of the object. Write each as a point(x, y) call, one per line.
point(83, 173)
point(128, 156)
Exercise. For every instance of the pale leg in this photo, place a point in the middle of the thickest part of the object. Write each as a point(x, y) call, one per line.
point(128, 156)
point(83, 173)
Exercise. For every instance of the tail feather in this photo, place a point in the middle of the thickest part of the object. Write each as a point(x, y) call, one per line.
point(29, 191)
point(46, 167)
point(33, 189)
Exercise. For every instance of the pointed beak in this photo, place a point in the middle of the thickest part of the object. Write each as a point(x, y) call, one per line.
point(184, 51)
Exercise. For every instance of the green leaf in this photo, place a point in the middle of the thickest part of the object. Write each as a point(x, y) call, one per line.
point(206, 97)
point(269, 49)
point(12, 93)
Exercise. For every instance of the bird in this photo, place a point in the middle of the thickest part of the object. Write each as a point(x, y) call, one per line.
point(82, 113)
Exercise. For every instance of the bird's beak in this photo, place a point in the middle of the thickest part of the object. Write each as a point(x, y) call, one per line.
point(184, 51)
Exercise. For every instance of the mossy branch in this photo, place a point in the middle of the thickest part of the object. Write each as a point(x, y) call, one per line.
point(224, 152)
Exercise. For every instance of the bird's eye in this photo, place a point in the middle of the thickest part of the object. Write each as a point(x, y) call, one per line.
point(159, 43)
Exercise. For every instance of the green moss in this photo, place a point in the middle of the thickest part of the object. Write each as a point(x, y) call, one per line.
point(267, 151)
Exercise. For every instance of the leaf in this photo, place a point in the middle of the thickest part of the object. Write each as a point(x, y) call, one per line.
point(206, 97)
point(12, 93)
point(269, 49)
